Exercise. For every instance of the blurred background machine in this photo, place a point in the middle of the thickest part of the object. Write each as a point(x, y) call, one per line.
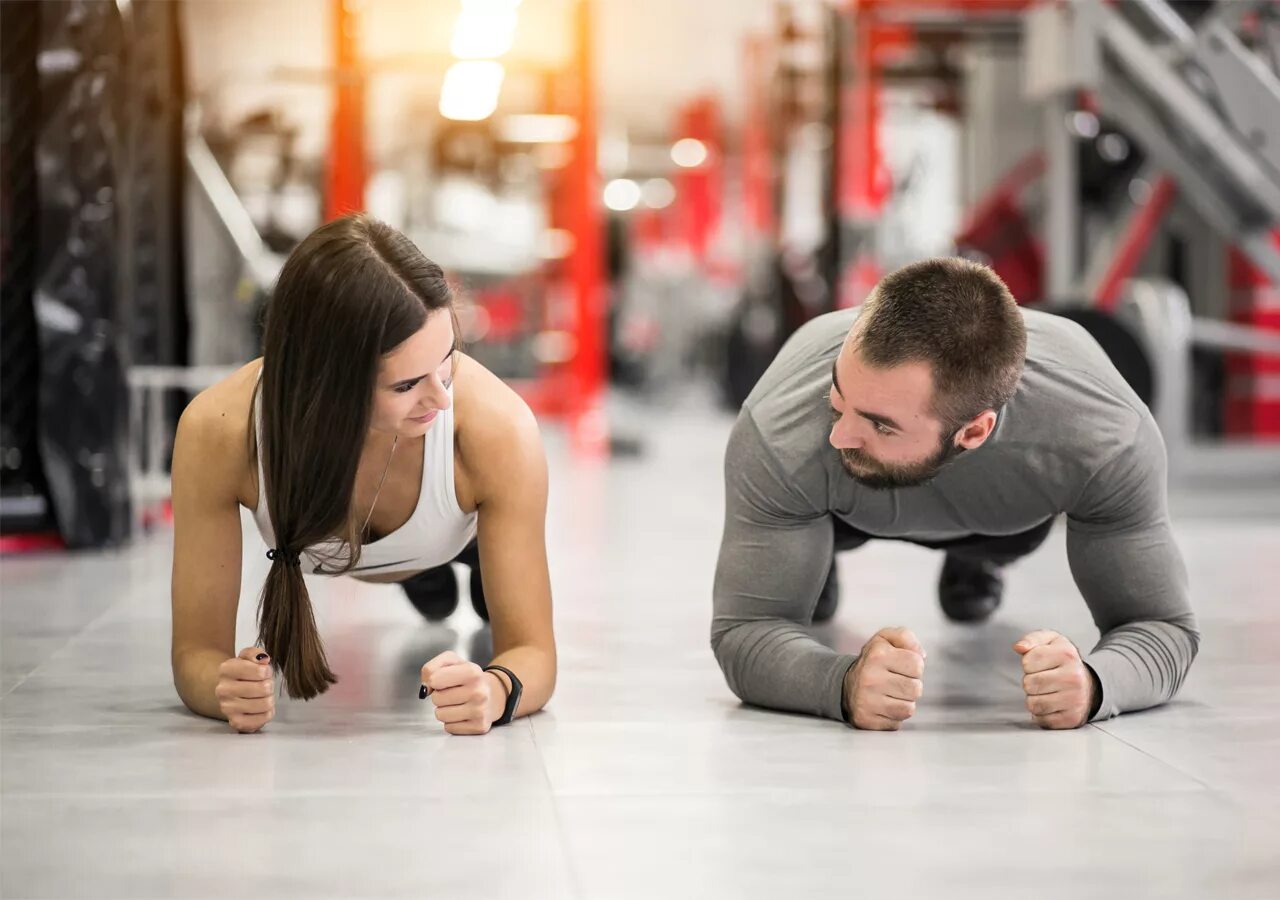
point(639, 203)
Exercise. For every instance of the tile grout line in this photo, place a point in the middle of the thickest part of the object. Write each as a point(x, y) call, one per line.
point(574, 878)
point(1097, 726)
point(71, 640)
point(1165, 763)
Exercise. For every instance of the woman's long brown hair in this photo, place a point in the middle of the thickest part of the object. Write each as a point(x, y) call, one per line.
point(353, 291)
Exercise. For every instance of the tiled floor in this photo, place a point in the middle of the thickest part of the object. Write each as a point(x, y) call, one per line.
point(645, 777)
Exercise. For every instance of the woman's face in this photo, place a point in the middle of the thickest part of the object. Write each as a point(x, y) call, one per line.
point(414, 378)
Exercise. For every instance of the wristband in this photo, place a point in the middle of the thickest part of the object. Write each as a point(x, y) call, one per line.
point(513, 696)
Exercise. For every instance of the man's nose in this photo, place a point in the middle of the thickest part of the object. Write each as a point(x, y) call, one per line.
point(845, 437)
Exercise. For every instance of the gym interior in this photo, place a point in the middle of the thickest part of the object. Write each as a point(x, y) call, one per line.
point(637, 205)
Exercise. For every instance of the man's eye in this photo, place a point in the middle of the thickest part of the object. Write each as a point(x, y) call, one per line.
point(882, 429)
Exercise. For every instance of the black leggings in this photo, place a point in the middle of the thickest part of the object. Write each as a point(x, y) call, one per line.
point(435, 591)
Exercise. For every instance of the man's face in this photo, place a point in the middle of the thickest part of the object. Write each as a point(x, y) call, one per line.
point(882, 425)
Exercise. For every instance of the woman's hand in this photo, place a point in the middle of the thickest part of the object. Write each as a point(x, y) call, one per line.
point(467, 699)
point(245, 690)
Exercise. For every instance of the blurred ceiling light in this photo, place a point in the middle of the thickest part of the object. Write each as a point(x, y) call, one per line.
point(554, 346)
point(688, 153)
point(1113, 147)
point(471, 89)
point(1139, 191)
point(475, 321)
point(536, 129)
point(488, 6)
point(658, 193)
point(621, 194)
point(483, 33)
point(1084, 124)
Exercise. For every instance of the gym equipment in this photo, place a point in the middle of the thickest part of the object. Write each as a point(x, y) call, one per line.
point(1121, 344)
point(93, 253)
point(24, 498)
point(998, 234)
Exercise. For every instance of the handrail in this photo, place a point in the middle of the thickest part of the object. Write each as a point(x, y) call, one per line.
point(263, 265)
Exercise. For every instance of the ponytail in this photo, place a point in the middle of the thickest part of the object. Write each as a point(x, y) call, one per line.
point(287, 629)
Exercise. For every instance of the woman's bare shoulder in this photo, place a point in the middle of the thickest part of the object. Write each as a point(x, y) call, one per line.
point(497, 433)
point(214, 428)
point(487, 407)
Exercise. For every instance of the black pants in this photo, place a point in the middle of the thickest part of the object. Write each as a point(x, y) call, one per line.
point(434, 592)
point(999, 549)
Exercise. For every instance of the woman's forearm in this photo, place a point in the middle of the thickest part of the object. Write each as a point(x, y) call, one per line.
point(536, 669)
point(195, 675)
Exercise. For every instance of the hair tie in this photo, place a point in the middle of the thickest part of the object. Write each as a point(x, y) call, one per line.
point(289, 559)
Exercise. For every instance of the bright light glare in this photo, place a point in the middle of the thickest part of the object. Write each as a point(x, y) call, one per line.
point(483, 33)
point(658, 193)
point(471, 90)
point(489, 6)
point(621, 194)
point(538, 129)
point(688, 153)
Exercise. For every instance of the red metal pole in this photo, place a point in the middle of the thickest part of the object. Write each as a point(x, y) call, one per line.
point(344, 187)
point(699, 188)
point(585, 265)
point(757, 154)
point(1134, 243)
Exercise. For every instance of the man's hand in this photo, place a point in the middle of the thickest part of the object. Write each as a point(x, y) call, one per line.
point(1057, 683)
point(882, 687)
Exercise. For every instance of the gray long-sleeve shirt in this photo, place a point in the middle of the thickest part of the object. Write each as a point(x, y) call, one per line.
point(1074, 439)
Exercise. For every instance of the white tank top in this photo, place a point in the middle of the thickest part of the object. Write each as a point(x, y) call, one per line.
point(436, 532)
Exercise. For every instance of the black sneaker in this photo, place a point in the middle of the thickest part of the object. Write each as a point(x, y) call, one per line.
point(434, 593)
point(969, 590)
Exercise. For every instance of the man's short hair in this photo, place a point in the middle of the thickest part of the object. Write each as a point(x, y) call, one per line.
point(959, 318)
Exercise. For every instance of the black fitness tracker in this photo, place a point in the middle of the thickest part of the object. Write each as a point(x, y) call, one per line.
point(513, 696)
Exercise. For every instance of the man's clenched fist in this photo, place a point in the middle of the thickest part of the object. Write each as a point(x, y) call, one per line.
point(882, 687)
point(1058, 685)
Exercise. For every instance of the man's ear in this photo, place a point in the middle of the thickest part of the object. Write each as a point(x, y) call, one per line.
point(974, 433)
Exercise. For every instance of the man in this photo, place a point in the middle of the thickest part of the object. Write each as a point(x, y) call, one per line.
point(943, 414)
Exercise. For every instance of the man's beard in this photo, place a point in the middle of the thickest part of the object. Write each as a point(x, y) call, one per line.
point(881, 476)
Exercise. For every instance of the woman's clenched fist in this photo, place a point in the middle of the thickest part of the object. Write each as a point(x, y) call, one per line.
point(246, 690)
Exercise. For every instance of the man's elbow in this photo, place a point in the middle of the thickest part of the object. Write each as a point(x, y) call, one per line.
point(1188, 627)
point(727, 651)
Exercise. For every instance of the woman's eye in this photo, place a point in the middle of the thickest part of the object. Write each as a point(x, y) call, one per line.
point(405, 388)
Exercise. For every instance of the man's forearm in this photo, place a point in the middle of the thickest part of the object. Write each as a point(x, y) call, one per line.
point(776, 664)
point(1142, 664)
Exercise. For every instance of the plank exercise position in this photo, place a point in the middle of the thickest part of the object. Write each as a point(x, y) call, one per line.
point(942, 414)
point(365, 444)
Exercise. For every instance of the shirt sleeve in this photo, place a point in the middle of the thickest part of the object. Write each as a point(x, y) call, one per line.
point(1127, 565)
point(775, 554)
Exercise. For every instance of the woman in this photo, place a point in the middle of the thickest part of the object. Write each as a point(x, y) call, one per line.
point(365, 444)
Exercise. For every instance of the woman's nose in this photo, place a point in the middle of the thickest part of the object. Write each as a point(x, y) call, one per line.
point(438, 394)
